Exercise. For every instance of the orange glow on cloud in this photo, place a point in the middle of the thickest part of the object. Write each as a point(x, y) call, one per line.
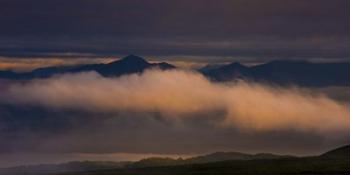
point(177, 94)
point(22, 64)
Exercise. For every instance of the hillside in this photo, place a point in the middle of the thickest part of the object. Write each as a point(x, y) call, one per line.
point(214, 157)
point(334, 162)
point(339, 153)
point(144, 163)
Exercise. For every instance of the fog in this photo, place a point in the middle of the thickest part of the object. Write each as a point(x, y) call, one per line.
point(166, 112)
point(178, 93)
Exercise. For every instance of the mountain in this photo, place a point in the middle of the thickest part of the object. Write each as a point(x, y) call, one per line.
point(335, 162)
point(296, 166)
point(7, 74)
point(339, 153)
point(220, 156)
point(83, 166)
point(228, 72)
point(156, 162)
point(315, 165)
point(214, 157)
point(301, 73)
point(127, 65)
point(224, 156)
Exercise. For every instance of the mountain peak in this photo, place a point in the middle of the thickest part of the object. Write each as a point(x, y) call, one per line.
point(236, 65)
point(133, 59)
point(164, 65)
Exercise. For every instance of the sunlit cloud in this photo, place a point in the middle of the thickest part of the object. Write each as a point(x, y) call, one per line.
point(28, 64)
point(177, 94)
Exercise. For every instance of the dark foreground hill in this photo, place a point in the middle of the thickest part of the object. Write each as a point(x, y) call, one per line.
point(334, 162)
point(214, 157)
point(295, 166)
point(144, 163)
point(329, 163)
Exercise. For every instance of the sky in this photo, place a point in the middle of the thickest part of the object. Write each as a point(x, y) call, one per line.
point(251, 31)
point(173, 112)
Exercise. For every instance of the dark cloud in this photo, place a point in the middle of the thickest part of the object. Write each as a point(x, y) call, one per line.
point(271, 28)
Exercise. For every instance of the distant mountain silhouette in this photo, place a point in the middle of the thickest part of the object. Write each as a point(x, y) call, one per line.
point(220, 156)
point(285, 73)
point(214, 157)
point(156, 162)
point(7, 74)
point(80, 166)
point(226, 72)
point(128, 65)
point(223, 156)
point(301, 73)
point(339, 157)
point(292, 166)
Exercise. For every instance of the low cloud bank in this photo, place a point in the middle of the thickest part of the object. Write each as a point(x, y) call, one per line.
point(177, 94)
point(25, 64)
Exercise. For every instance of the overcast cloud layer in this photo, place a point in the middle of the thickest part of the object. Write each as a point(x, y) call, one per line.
point(269, 29)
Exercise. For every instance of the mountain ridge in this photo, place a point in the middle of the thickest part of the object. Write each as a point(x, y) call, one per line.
point(166, 162)
point(127, 65)
point(285, 72)
point(279, 72)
